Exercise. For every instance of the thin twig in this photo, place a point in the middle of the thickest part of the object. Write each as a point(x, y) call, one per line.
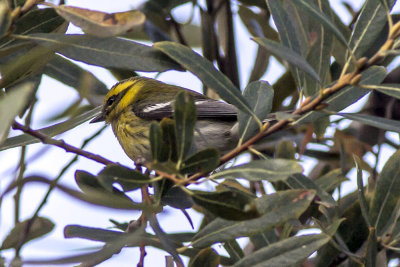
point(60, 143)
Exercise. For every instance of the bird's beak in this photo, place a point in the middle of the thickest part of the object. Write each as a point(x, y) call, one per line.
point(98, 118)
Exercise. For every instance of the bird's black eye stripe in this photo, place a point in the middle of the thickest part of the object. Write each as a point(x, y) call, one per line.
point(110, 100)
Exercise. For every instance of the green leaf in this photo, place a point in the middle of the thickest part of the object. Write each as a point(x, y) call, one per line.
point(91, 233)
point(390, 89)
point(203, 161)
point(25, 65)
point(176, 197)
point(299, 181)
point(289, 55)
point(207, 73)
point(129, 179)
point(168, 150)
point(56, 129)
point(331, 180)
point(379, 122)
point(231, 205)
point(12, 104)
point(155, 137)
point(289, 252)
point(315, 13)
point(271, 170)
point(206, 257)
point(368, 26)
point(348, 95)
point(291, 30)
point(276, 209)
point(260, 94)
point(185, 120)
point(42, 20)
point(386, 194)
point(107, 52)
point(40, 227)
point(76, 77)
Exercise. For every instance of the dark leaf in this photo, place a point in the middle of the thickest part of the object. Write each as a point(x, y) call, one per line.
point(129, 179)
point(206, 257)
point(107, 52)
point(40, 227)
point(203, 161)
point(231, 205)
point(176, 197)
point(91, 233)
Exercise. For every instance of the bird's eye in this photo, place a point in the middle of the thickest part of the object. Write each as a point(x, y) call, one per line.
point(110, 101)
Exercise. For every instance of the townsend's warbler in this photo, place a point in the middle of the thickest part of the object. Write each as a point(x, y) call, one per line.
point(133, 104)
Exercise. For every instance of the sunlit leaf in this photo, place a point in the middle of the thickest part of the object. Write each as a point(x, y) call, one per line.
point(11, 104)
point(288, 252)
point(259, 170)
point(206, 257)
point(101, 24)
point(276, 209)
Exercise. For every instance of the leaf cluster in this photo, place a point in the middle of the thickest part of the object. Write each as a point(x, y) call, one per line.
point(328, 66)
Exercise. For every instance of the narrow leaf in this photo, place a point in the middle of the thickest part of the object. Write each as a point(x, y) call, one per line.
point(129, 179)
point(155, 138)
point(107, 52)
point(386, 194)
point(361, 195)
point(379, 122)
point(50, 131)
point(185, 120)
point(289, 55)
point(40, 227)
point(260, 94)
point(276, 209)
point(348, 95)
point(315, 13)
point(101, 24)
point(289, 252)
point(203, 161)
point(258, 170)
point(207, 73)
point(11, 104)
point(368, 26)
point(91, 233)
point(231, 205)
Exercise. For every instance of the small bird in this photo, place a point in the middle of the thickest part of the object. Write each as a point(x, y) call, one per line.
point(133, 104)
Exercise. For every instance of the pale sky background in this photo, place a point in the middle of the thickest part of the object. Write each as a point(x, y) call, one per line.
point(64, 210)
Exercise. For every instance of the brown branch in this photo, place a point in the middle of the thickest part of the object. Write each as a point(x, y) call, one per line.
point(310, 104)
point(60, 143)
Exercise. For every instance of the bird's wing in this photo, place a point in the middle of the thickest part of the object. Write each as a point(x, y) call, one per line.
point(206, 109)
